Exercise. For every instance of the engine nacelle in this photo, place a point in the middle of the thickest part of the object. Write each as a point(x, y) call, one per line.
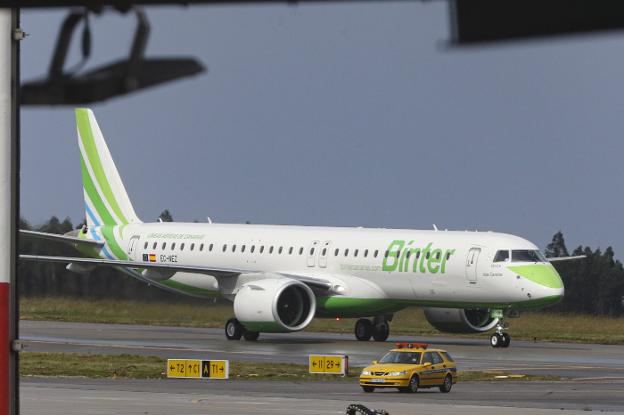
point(458, 320)
point(275, 305)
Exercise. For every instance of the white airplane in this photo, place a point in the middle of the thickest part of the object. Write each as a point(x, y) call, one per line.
point(281, 277)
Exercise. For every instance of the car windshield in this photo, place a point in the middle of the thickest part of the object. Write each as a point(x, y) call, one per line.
point(527, 255)
point(401, 357)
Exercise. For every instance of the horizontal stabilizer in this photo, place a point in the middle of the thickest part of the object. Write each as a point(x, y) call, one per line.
point(61, 238)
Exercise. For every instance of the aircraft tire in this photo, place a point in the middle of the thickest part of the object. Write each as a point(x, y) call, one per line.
point(251, 336)
point(363, 329)
point(506, 340)
point(381, 332)
point(233, 329)
point(496, 340)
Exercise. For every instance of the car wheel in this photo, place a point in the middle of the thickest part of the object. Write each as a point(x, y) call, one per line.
point(363, 329)
point(412, 386)
point(368, 389)
point(233, 329)
point(447, 385)
point(251, 336)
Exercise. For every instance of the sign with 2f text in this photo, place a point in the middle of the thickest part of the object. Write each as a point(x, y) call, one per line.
point(328, 364)
point(198, 369)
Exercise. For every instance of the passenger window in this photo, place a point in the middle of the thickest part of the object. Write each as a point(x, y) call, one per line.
point(145, 246)
point(300, 250)
point(428, 255)
point(428, 358)
point(355, 253)
point(192, 247)
point(270, 250)
point(182, 247)
point(324, 252)
point(210, 247)
point(261, 248)
point(290, 250)
point(376, 253)
point(164, 245)
point(253, 248)
point(346, 252)
point(448, 256)
point(436, 358)
point(173, 246)
point(201, 247)
point(408, 254)
point(501, 256)
point(336, 252)
point(279, 251)
point(233, 248)
point(311, 251)
point(386, 254)
point(154, 246)
point(224, 247)
point(365, 253)
point(243, 248)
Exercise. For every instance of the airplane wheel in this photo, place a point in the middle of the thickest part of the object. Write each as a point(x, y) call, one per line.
point(233, 329)
point(381, 332)
point(251, 336)
point(363, 329)
point(506, 340)
point(496, 340)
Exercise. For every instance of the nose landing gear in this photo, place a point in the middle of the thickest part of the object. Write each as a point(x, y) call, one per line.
point(501, 338)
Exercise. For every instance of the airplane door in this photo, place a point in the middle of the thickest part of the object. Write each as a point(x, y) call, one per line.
point(312, 252)
point(132, 246)
point(323, 254)
point(471, 265)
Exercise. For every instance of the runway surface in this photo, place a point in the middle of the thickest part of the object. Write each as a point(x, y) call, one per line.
point(580, 361)
point(155, 397)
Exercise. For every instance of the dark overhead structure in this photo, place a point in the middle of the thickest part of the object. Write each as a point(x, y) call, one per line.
point(480, 21)
point(135, 73)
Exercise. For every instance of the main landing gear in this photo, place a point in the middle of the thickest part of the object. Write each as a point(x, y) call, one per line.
point(378, 329)
point(234, 330)
point(501, 338)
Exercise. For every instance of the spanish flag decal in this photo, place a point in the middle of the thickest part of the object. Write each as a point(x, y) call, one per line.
point(149, 257)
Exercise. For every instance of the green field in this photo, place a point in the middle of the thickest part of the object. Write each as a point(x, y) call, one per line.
point(150, 367)
point(542, 326)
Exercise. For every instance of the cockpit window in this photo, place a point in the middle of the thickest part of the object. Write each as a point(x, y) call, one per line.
point(526, 255)
point(501, 256)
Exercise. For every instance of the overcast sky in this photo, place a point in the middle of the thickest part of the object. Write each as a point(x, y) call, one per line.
point(347, 115)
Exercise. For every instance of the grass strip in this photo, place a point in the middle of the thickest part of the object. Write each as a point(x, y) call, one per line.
point(150, 367)
point(537, 326)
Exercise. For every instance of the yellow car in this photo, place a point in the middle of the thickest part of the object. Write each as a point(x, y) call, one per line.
point(411, 366)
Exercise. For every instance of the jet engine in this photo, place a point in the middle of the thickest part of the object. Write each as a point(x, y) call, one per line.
point(275, 305)
point(458, 320)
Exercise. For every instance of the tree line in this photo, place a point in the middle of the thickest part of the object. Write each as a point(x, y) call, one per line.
point(594, 285)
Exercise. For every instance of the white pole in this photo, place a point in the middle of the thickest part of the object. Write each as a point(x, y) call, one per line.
point(6, 207)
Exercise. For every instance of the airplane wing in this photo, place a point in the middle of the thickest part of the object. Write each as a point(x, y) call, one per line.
point(216, 272)
point(61, 238)
point(566, 258)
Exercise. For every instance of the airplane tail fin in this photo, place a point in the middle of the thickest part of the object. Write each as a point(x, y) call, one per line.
point(106, 199)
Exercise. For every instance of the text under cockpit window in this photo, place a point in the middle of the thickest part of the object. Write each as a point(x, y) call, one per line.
point(501, 256)
point(527, 255)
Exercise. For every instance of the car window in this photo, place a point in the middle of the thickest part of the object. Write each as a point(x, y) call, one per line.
point(428, 358)
point(436, 358)
point(401, 357)
point(448, 357)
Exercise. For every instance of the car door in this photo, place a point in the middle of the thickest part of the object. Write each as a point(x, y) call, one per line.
point(438, 369)
point(426, 375)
